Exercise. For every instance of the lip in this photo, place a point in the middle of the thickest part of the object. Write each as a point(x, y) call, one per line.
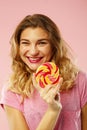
point(34, 59)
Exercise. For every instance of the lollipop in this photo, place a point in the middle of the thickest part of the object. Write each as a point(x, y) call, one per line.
point(47, 73)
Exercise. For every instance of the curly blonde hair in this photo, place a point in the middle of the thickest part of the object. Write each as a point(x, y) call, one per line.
point(20, 80)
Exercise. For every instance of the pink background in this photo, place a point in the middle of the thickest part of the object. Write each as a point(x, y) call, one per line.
point(69, 15)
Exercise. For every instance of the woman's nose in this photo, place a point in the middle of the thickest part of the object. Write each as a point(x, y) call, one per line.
point(33, 50)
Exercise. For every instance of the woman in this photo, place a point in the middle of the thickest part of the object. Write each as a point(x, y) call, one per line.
point(35, 41)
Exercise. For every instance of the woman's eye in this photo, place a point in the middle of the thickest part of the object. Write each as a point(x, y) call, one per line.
point(43, 42)
point(25, 43)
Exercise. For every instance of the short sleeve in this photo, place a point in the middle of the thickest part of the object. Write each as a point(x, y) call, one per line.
point(83, 88)
point(11, 99)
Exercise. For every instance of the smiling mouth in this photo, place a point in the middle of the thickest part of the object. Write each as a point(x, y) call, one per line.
point(34, 60)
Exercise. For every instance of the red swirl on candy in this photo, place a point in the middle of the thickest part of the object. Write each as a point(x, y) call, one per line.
point(47, 73)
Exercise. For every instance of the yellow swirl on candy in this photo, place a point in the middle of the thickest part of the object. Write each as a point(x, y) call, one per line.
point(47, 73)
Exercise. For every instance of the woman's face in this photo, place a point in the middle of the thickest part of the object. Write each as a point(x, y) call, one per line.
point(35, 47)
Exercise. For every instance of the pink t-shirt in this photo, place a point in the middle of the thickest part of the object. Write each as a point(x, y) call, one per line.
point(34, 108)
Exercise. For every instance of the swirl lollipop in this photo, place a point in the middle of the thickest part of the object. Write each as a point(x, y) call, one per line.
point(47, 73)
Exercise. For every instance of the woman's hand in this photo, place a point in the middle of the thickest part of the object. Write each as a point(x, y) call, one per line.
point(50, 94)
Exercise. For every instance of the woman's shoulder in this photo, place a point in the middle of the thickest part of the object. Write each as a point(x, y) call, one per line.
point(82, 75)
point(10, 98)
point(82, 86)
point(80, 78)
point(6, 91)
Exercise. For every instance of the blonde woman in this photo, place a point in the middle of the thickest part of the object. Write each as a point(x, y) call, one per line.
point(35, 41)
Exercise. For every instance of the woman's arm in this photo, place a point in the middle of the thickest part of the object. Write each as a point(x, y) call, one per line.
point(84, 118)
point(49, 120)
point(15, 118)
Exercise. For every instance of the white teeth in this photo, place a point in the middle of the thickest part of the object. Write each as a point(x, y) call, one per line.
point(34, 58)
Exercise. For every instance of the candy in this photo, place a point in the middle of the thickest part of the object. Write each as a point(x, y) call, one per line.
point(47, 73)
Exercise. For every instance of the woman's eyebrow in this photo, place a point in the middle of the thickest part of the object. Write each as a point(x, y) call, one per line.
point(43, 39)
point(24, 40)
